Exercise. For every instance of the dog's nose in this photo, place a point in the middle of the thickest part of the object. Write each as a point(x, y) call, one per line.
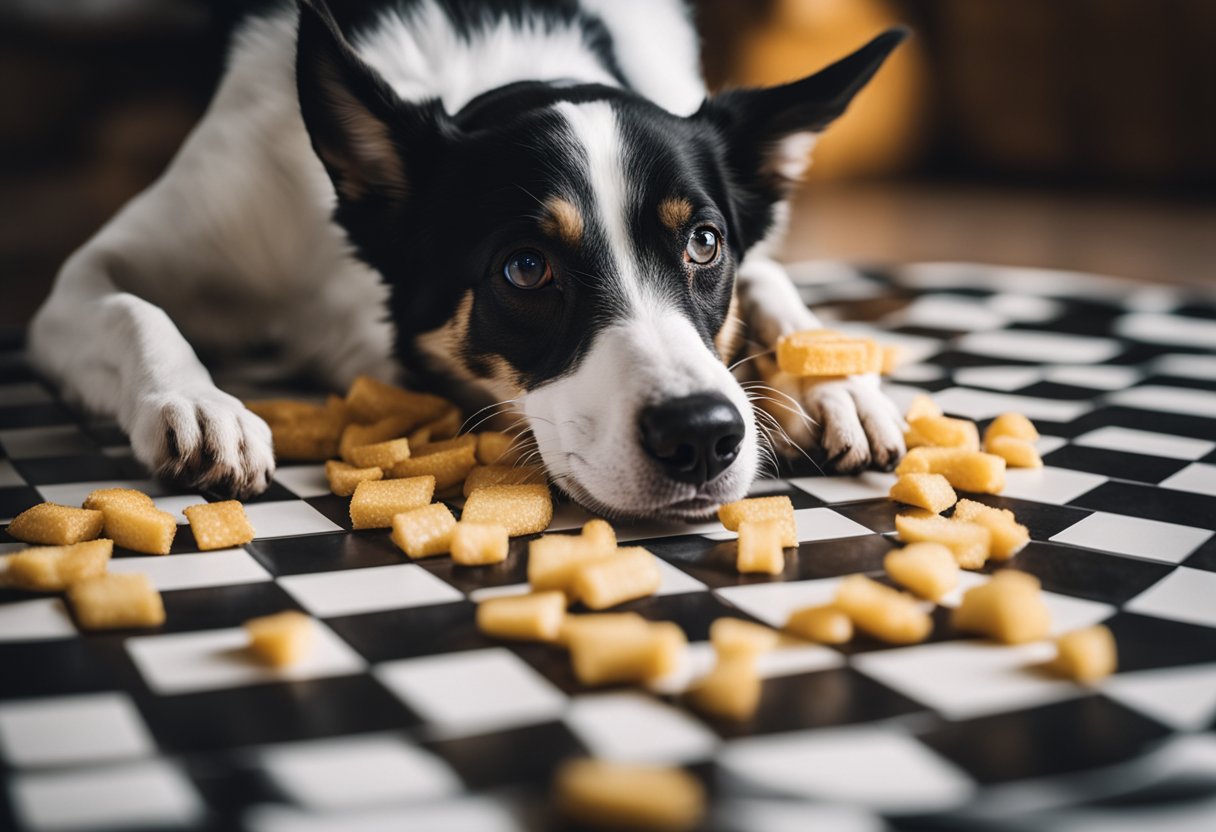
point(695, 438)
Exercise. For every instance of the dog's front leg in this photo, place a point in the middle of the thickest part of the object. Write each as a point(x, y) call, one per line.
point(852, 419)
point(121, 356)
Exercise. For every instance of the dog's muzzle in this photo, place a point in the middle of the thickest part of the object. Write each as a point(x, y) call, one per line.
point(694, 438)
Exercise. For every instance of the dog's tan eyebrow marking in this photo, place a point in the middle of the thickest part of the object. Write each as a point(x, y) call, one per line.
point(562, 219)
point(675, 212)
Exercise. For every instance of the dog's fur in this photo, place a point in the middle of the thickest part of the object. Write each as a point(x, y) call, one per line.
point(348, 203)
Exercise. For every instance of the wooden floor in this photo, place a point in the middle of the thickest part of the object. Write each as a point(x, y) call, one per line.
point(1142, 238)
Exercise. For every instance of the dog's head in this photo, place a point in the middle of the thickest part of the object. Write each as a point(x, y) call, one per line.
point(572, 250)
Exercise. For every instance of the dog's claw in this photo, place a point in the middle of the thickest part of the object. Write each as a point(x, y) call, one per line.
point(205, 440)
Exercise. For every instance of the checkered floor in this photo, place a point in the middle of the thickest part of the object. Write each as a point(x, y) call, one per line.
point(404, 717)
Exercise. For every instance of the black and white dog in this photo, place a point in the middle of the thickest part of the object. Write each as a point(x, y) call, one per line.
point(530, 202)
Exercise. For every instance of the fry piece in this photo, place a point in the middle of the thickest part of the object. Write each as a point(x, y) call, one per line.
point(383, 430)
point(313, 440)
point(449, 466)
point(479, 544)
point(1087, 656)
point(921, 406)
point(534, 617)
point(375, 503)
point(369, 400)
point(1009, 608)
point(219, 525)
point(762, 508)
point(825, 625)
point(629, 574)
point(600, 533)
point(522, 509)
point(735, 635)
point(116, 602)
point(969, 542)
point(55, 568)
point(554, 560)
point(966, 470)
point(1017, 453)
point(439, 446)
point(274, 411)
point(484, 475)
point(56, 525)
point(445, 426)
point(424, 532)
point(344, 478)
point(623, 653)
point(280, 639)
point(731, 690)
point(886, 614)
point(931, 492)
point(760, 548)
point(926, 569)
point(102, 497)
point(1008, 536)
point(945, 432)
point(801, 354)
point(1012, 425)
point(380, 454)
point(629, 796)
point(494, 448)
point(600, 625)
point(147, 530)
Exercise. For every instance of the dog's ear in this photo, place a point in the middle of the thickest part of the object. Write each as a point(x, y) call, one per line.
point(358, 126)
point(769, 132)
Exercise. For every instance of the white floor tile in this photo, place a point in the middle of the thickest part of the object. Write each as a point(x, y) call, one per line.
point(965, 679)
point(870, 485)
point(1047, 444)
point(74, 493)
point(637, 728)
point(1145, 442)
point(643, 530)
point(1038, 346)
point(216, 659)
point(463, 814)
point(1198, 478)
point(918, 373)
point(568, 516)
point(478, 691)
point(1097, 377)
point(982, 404)
point(132, 796)
point(1049, 485)
point(1181, 400)
point(1150, 539)
point(287, 518)
point(674, 581)
point(1027, 309)
point(949, 312)
point(782, 815)
point(356, 591)
point(72, 730)
point(772, 603)
point(485, 592)
point(1183, 595)
point(303, 480)
point(813, 524)
point(37, 620)
point(1181, 697)
point(1174, 330)
point(358, 773)
point(1186, 365)
point(1007, 379)
point(872, 767)
point(219, 568)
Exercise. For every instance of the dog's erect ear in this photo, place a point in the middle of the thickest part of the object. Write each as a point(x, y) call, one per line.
point(769, 132)
point(358, 126)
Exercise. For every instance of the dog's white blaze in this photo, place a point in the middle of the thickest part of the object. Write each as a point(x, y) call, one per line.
point(597, 138)
point(421, 55)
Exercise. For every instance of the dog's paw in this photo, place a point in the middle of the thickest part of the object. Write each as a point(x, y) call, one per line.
point(204, 439)
point(858, 426)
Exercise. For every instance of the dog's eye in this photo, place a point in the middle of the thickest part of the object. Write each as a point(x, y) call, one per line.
point(702, 247)
point(527, 269)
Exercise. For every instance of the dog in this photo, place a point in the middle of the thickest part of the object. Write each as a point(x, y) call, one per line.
point(533, 204)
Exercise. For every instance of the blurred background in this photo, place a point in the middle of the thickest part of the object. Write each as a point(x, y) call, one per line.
point(1074, 134)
